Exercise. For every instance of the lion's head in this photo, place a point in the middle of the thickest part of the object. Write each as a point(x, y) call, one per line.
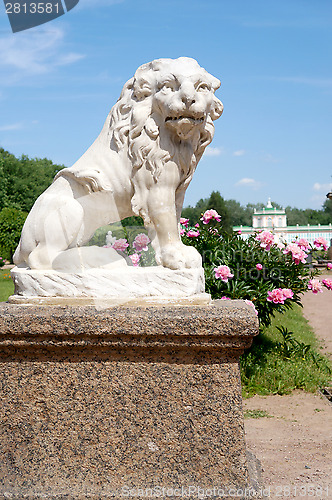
point(166, 112)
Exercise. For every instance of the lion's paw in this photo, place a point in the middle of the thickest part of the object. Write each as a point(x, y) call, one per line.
point(193, 257)
point(179, 257)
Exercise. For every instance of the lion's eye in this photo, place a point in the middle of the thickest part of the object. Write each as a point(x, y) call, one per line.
point(168, 86)
point(203, 87)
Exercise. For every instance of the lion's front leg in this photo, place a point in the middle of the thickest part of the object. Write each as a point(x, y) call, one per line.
point(170, 251)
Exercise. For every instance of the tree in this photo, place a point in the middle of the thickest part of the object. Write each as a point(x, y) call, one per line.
point(24, 179)
point(194, 213)
point(306, 216)
point(11, 224)
point(327, 209)
point(3, 184)
point(239, 215)
point(217, 202)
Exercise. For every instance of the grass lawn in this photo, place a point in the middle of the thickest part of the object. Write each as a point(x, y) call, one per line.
point(6, 285)
point(275, 366)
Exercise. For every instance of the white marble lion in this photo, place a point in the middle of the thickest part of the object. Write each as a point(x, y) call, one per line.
point(141, 164)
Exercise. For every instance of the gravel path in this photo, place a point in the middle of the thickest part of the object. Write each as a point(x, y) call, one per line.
point(294, 444)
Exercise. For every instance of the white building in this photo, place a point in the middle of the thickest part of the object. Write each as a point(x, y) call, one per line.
point(269, 217)
point(275, 220)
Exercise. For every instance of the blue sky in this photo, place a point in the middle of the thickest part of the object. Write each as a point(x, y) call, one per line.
point(274, 59)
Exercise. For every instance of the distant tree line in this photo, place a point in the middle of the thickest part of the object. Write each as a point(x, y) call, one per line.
point(235, 214)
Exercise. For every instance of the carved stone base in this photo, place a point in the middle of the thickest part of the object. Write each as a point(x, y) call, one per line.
point(97, 404)
point(105, 287)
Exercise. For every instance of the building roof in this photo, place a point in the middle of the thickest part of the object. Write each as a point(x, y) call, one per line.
point(269, 209)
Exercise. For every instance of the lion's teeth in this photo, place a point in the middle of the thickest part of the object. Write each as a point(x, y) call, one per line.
point(175, 118)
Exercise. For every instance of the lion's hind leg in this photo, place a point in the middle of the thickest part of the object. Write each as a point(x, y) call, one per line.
point(59, 231)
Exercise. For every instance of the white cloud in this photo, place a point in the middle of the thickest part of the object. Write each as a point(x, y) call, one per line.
point(317, 200)
point(34, 53)
point(240, 152)
point(210, 151)
point(270, 158)
point(322, 187)
point(11, 126)
point(248, 182)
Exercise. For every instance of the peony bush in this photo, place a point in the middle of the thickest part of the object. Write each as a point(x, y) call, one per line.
point(269, 275)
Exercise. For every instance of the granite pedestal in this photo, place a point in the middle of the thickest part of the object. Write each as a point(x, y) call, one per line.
point(122, 402)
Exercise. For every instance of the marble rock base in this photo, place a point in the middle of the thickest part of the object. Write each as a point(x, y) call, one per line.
point(125, 285)
point(113, 403)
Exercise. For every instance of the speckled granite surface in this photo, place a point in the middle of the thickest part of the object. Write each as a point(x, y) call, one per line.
point(104, 404)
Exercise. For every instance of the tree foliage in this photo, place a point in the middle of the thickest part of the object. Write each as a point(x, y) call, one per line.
point(23, 179)
point(11, 224)
point(215, 201)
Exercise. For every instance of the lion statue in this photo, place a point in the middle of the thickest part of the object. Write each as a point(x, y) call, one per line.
point(141, 164)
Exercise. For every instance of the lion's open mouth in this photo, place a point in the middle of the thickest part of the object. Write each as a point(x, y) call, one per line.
point(184, 125)
point(185, 119)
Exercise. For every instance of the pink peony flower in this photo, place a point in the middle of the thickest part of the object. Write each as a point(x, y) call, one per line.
point(250, 303)
point(266, 238)
point(239, 232)
point(259, 267)
point(225, 298)
point(120, 245)
point(321, 242)
point(303, 244)
point(141, 242)
point(298, 255)
point(223, 272)
point(281, 245)
point(315, 285)
point(276, 296)
point(197, 225)
point(182, 231)
point(192, 234)
point(209, 215)
point(288, 293)
point(329, 265)
point(135, 258)
point(327, 283)
point(184, 222)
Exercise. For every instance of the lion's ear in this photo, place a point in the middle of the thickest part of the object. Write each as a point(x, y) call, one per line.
point(216, 108)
